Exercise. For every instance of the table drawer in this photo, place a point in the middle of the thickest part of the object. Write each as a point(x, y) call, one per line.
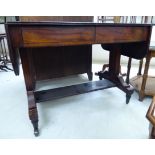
point(57, 36)
point(120, 34)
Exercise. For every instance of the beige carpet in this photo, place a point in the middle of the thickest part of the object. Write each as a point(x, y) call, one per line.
point(100, 114)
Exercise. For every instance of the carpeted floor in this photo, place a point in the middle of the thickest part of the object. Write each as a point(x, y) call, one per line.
point(100, 114)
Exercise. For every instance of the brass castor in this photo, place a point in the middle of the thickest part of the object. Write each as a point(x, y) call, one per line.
point(35, 126)
point(36, 132)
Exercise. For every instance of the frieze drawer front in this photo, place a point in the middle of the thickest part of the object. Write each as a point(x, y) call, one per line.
point(120, 34)
point(57, 36)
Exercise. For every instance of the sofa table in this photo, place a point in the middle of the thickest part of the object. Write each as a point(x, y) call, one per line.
point(127, 39)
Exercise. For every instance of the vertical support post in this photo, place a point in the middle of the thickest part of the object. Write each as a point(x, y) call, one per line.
point(26, 57)
point(145, 75)
point(114, 70)
point(114, 61)
point(140, 67)
point(128, 71)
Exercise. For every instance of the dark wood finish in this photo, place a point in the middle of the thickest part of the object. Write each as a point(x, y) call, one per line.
point(33, 113)
point(27, 68)
point(140, 67)
point(60, 61)
point(114, 61)
point(126, 34)
point(30, 87)
point(61, 92)
point(128, 71)
point(141, 93)
point(57, 36)
point(88, 35)
point(54, 62)
point(137, 50)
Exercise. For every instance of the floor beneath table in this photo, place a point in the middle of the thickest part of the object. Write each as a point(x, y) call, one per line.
point(100, 114)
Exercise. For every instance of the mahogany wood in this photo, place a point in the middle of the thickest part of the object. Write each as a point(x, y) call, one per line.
point(61, 92)
point(20, 39)
point(60, 61)
point(126, 34)
point(57, 36)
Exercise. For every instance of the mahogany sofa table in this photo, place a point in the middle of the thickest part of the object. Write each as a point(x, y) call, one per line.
point(120, 39)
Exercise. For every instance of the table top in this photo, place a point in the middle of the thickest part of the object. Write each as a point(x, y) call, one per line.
point(59, 23)
point(58, 33)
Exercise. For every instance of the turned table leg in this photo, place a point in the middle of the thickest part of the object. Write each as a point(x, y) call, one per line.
point(144, 78)
point(29, 76)
point(140, 67)
point(33, 113)
point(128, 71)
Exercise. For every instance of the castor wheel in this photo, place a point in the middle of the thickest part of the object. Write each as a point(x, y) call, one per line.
point(36, 133)
point(35, 127)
